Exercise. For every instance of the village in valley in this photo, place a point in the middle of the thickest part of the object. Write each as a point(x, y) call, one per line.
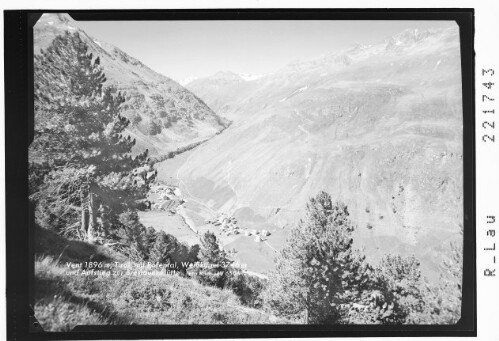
point(170, 201)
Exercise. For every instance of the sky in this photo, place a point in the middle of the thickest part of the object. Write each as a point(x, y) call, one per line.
point(185, 49)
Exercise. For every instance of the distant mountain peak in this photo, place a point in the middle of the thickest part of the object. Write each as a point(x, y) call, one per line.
point(186, 81)
point(358, 47)
point(223, 77)
point(412, 36)
point(58, 21)
point(227, 75)
point(249, 77)
point(62, 18)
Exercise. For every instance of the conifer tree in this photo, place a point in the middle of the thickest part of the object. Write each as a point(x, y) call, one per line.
point(150, 239)
point(210, 254)
point(452, 280)
point(79, 147)
point(444, 300)
point(320, 278)
point(163, 248)
point(403, 279)
point(167, 249)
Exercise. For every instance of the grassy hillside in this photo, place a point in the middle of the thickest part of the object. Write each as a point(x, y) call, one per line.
point(64, 299)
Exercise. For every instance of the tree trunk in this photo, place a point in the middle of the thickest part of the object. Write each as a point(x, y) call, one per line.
point(84, 215)
point(92, 219)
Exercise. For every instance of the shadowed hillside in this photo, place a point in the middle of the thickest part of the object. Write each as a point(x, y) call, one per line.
point(65, 299)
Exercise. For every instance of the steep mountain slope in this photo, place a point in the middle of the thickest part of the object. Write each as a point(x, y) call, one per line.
point(164, 115)
point(379, 127)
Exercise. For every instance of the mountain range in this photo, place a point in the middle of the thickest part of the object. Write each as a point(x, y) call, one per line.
point(222, 75)
point(377, 126)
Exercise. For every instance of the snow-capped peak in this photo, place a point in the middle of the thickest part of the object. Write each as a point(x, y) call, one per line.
point(187, 80)
point(249, 77)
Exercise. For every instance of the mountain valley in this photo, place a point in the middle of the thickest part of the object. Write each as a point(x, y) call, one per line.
point(379, 127)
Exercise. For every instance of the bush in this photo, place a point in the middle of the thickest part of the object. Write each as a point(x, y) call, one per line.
point(154, 128)
point(247, 288)
point(139, 243)
point(403, 278)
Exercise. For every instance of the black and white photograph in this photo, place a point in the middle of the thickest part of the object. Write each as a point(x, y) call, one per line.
point(246, 172)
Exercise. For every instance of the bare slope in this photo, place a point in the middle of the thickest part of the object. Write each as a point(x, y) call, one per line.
point(379, 127)
point(164, 114)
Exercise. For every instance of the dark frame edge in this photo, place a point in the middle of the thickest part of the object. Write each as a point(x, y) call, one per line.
point(18, 84)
